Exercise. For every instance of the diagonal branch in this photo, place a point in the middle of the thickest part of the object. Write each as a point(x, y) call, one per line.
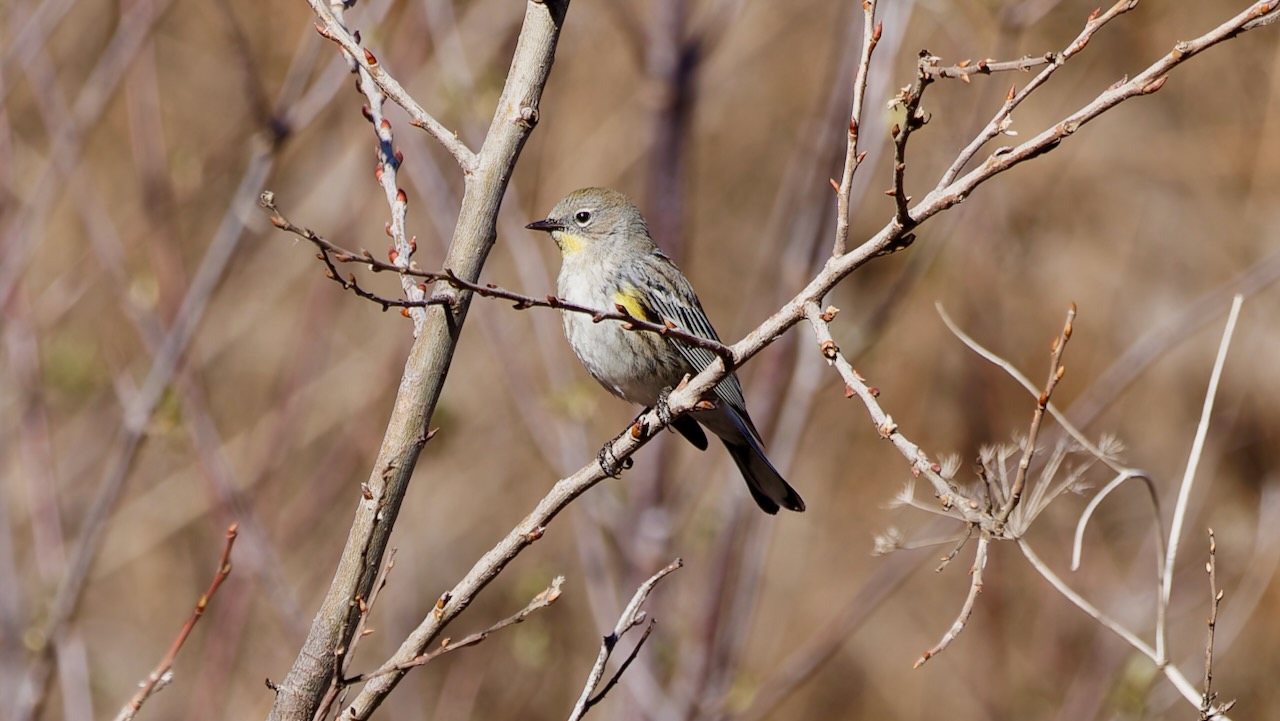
point(331, 28)
point(1056, 371)
point(631, 617)
point(966, 609)
point(331, 253)
point(160, 677)
point(548, 596)
point(1002, 119)
point(486, 176)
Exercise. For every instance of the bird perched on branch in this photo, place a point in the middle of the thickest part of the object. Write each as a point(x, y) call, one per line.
point(608, 260)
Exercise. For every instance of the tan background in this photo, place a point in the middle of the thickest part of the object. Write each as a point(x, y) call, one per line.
point(1145, 212)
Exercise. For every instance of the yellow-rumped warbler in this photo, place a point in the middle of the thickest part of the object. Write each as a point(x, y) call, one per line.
point(608, 260)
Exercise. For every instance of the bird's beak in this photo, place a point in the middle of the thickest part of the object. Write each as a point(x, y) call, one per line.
point(546, 226)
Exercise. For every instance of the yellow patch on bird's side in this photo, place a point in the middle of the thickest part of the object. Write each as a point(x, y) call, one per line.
point(627, 298)
point(568, 242)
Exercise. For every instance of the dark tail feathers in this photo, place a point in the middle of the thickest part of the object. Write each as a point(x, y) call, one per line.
point(767, 486)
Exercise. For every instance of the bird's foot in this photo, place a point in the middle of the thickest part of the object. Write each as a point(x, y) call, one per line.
point(663, 407)
point(609, 463)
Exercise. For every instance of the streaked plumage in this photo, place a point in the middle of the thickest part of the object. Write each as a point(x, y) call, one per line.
point(608, 259)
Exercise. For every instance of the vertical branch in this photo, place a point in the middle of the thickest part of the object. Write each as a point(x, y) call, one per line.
point(852, 158)
point(1207, 709)
point(1188, 480)
point(1056, 371)
point(429, 359)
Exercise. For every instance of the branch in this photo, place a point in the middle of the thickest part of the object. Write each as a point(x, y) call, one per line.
point(965, 68)
point(162, 674)
point(388, 165)
point(913, 118)
point(1002, 120)
point(342, 656)
point(852, 158)
point(1056, 371)
point(331, 253)
point(486, 176)
point(332, 28)
point(631, 617)
point(1188, 480)
point(950, 192)
point(966, 609)
point(1209, 712)
point(489, 566)
point(954, 503)
point(548, 596)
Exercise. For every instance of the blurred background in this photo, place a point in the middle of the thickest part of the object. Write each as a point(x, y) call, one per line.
point(135, 137)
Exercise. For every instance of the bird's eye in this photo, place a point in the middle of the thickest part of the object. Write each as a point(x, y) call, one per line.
point(582, 217)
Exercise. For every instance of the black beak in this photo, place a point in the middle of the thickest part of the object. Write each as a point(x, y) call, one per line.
point(546, 226)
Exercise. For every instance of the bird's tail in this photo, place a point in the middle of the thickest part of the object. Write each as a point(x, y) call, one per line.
point(767, 486)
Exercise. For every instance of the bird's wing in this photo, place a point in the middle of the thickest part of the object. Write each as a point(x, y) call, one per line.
point(678, 306)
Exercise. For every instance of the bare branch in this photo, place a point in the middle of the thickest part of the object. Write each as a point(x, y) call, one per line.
point(950, 497)
point(631, 617)
point(913, 118)
point(988, 66)
point(331, 253)
point(387, 169)
point(333, 29)
point(966, 610)
point(496, 559)
point(548, 596)
point(1002, 119)
point(1188, 479)
point(485, 181)
point(1056, 371)
point(852, 158)
point(1208, 711)
point(160, 676)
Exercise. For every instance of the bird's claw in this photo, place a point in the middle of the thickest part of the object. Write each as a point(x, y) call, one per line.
point(663, 408)
point(610, 464)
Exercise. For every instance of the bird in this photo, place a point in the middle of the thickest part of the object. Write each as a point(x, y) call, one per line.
point(609, 260)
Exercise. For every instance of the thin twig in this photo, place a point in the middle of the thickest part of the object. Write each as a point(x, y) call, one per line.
point(1208, 711)
point(1188, 480)
point(1171, 671)
point(965, 509)
point(387, 169)
point(955, 550)
point(964, 69)
point(342, 656)
point(548, 596)
point(966, 609)
point(1077, 545)
point(1002, 119)
point(161, 675)
point(333, 29)
point(622, 668)
point(331, 253)
point(631, 617)
point(852, 158)
point(1076, 434)
point(1056, 371)
point(913, 118)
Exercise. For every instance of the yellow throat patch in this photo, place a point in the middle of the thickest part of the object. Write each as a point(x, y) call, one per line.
point(569, 243)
